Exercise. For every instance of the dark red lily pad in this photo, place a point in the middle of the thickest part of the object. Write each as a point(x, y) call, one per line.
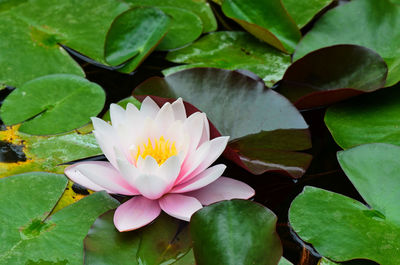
point(266, 130)
point(333, 74)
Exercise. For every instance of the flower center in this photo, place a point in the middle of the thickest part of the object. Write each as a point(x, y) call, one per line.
point(161, 151)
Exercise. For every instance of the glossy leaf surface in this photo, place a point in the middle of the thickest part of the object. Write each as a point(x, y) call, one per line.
point(302, 11)
point(223, 233)
point(236, 104)
point(162, 242)
point(266, 19)
point(332, 74)
point(380, 24)
point(53, 104)
point(134, 35)
point(355, 230)
point(372, 118)
point(232, 50)
point(27, 229)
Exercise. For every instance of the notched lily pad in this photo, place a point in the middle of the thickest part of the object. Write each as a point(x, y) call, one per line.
point(332, 74)
point(27, 228)
point(352, 230)
point(236, 103)
point(53, 104)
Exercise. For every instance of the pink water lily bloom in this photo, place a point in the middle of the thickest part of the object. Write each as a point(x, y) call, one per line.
point(162, 158)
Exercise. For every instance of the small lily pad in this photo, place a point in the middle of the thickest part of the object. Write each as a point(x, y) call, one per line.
point(53, 104)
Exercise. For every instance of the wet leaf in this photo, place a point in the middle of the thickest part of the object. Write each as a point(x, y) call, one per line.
point(332, 74)
point(199, 7)
point(267, 20)
point(53, 104)
point(284, 261)
point(232, 50)
point(236, 103)
point(162, 242)
point(302, 11)
point(47, 153)
point(355, 230)
point(134, 35)
point(27, 229)
point(32, 31)
point(372, 118)
point(223, 233)
point(380, 24)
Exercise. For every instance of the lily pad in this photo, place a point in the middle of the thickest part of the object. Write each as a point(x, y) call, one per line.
point(33, 40)
point(199, 7)
point(232, 50)
point(380, 24)
point(355, 230)
point(47, 153)
point(223, 233)
point(162, 242)
point(332, 74)
point(267, 20)
point(53, 104)
point(302, 11)
point(371, 118)
point(27, 229)
point(236, 103)
point(134, 35)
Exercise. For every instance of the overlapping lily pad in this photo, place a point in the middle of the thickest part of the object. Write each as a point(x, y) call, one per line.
point(352, 230)
point(27, 229)
point(162, 242)
point(53, 104)
point(302, 11)
point(332, 74)
point(232, 50)
point(223, 233)
point(47, 153)
point(133, 35)
point(380, 24)
point(268, 127)
point(267, 20)
point(372, 118)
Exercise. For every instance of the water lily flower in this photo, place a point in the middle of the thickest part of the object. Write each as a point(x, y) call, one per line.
point(162, 158)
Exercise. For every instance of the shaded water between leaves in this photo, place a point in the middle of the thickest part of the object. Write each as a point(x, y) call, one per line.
point(274, 191)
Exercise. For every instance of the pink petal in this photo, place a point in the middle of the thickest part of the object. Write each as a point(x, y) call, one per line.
point(206, 131)
point(97, 175)
point(179, 109)
point(179, 206)
point(194, 127)
point(223, 189)
point(149, 108)
point(203, 179)
point(135, 213)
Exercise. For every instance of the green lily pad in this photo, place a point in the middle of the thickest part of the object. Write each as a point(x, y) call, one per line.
point(380, 24)
point(267, 20)
point(284, 261)
point(352, 230)
point(232, 50)
point(302, 11)
point(223, 233)
point(372, 118)
point(53, 104)
point(236, 104)
point(134, 35)
point(199, 7)
point(47, 153)
point(30, 235)
point(32, 31)
point(184, 27)
point(332, 74)
point(162, 242)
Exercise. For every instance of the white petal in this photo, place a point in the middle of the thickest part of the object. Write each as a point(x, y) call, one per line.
point(135, 213)
point(107, 138)
point(117, 115)
point(169, 170)
point(149, 108)
point(203, 179)
point(151, 186)
point(223, 189)
point(194, 127)
point(179, 206)
point(165, 117)
point(179, 109)
point(128, 171)
point(206, 131)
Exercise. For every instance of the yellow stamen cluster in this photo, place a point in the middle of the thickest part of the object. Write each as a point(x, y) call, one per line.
point(161, 151)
